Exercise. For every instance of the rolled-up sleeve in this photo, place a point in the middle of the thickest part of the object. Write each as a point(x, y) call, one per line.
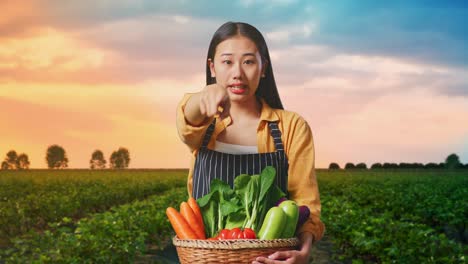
point(191, 135)
point(302, 183)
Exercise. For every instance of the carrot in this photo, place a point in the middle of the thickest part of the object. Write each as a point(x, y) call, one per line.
point(191, 218)
point(196, 209)
point(181, 227)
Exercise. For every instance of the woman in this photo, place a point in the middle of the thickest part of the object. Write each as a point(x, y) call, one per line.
point(236, 124)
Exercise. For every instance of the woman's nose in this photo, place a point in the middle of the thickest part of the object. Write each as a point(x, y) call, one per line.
point(237, 71)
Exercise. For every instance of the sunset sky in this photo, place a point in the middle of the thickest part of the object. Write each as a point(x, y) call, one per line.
point(377, 82)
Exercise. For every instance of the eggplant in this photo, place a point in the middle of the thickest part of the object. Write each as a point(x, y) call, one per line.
point(304, 213)
point(282, 199)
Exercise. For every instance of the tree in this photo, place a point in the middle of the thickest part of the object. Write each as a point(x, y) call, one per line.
point(23, 162)
point(11, 160)
point(376, 166)
point(119, 159)
point(452, 161)
point(334, 166)
point(56, 157)
point(349, 165)
point(431, 165)
point(97, 160)
point(387, 165)
point(361, 166)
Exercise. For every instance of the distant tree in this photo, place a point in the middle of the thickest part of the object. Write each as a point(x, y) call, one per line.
point(334, 166)
point(97, 160)
point(414, 165)
point(4, 165)
point(431, 165)
point(56, 157)
point(23, 162)
point(349, 165)
point(119, 159)
point(404, 165)
point(452, 161)
point(387, 165)
point(376, 166)
point(11, 160)
point(361, 166)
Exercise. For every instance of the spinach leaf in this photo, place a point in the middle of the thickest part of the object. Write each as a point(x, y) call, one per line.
point(245, 206)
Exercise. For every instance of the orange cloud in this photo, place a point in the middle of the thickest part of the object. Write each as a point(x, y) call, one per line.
point(48, 53)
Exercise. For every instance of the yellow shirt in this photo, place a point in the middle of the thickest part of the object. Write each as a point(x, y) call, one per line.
point(298, 145)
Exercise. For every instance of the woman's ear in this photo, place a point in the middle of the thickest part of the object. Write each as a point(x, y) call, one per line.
point(212, 70)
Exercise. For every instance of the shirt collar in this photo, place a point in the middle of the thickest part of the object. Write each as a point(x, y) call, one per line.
point(267, 113)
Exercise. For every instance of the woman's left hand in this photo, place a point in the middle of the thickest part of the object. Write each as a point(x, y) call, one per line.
point(290, 257)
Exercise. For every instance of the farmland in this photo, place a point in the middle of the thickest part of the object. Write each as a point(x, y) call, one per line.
point(111, 216)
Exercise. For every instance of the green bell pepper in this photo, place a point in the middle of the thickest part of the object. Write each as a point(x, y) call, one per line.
point(273, 224)
point(291, 211)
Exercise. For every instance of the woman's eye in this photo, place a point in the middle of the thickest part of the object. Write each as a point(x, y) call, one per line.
point(227, 61)
point(249, 62)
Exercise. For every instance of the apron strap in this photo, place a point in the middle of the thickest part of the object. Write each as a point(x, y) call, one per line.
point(208, 133)
point(276, 134)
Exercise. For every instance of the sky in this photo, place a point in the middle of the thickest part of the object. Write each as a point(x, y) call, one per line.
point(376, 81)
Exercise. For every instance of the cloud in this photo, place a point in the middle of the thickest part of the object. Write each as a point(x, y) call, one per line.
point(316, 67)
point(47, 49)
point(430, 33)
point(269, 4)
point(104, 55)
point(292, 33)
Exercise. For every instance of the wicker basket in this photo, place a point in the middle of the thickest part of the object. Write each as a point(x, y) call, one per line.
point(229, 251)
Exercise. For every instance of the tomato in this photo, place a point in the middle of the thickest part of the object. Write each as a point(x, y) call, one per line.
point(224, 234)
point(235, 233)
point(249, 234)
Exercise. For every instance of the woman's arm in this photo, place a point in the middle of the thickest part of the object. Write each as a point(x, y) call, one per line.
point(196, 111)
point(302, 188)
point(302, 180)
point(204, 104)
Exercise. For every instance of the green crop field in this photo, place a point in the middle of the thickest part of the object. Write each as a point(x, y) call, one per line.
point(111, 216)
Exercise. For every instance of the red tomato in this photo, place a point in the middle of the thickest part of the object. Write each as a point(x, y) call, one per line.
point(235, 233)
point(249, 234)
point(224, 234)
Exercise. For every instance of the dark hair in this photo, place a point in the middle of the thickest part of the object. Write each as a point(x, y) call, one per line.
point(267, 86)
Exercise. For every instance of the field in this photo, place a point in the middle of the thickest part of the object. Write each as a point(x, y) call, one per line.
point(83, 216)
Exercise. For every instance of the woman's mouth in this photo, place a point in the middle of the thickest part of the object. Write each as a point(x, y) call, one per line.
point(238, 88)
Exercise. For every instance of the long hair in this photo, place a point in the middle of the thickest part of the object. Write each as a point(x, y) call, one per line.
point(267, 87)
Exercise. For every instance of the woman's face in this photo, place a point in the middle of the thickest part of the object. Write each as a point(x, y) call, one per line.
point(238, 67)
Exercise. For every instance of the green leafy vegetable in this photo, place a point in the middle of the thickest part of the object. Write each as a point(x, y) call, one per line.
point(245, 206)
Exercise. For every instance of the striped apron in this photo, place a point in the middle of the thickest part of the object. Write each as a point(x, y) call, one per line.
point(210, 164)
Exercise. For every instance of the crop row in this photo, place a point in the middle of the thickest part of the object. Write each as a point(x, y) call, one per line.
point(409, 217)
point(116, 236)
point(31, 200)
point(385, 216)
